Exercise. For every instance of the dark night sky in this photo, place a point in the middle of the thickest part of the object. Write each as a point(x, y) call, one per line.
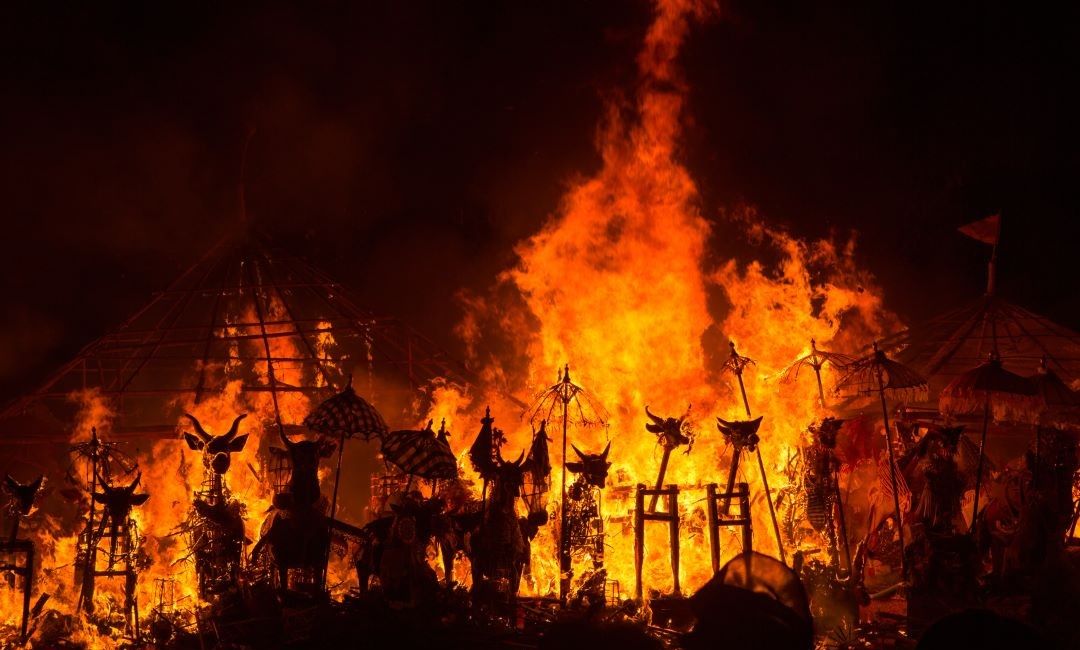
point(407, 145)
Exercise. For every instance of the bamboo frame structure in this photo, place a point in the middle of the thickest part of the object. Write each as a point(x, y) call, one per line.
point(228, 310)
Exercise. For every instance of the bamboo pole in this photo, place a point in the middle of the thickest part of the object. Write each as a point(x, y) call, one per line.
point(892, 475)
point(764, 478)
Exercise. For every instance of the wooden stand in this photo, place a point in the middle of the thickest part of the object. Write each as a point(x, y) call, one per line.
point(641, 515)
point(120, 552)
point(14, 548)
point(717, 508)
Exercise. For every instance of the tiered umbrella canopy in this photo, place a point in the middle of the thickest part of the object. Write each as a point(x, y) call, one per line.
point(988, 387)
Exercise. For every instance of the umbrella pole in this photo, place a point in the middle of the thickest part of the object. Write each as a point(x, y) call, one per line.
point(742, 389)
point(772, 511)
point(660, 479)
point(820, 389)
point(337, 475)
point(1035, 470)
point(88, 570)
point(564, 539)
point(841, 521)
point(764, 478)
point(333, 506)
point(892, 478)
point(982, 455)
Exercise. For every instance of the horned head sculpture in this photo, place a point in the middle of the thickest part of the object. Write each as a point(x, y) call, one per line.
point(740, 433)
point(216, 449)
point(670, 432)
point(825, 432)
point(593, 467)
point(304, 457)
point(119, 500)
point(511, 474)
point(22, 494)
point(950, 437)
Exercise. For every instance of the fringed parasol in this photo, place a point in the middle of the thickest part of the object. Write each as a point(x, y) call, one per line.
point(347, 415)
point(1011, 397)
point(1058, 404)
point(991, 388)
point(421, 453)
point(876, 373)
point(816, 360)
point(580, 409)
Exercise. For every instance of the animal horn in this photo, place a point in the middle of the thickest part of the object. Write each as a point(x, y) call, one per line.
point(654, 418)
point(235, 426)
point(206, 437)
point(603, 456)
point(685, 415)
point(580, 455)
point(521, 459)
point(724, 423)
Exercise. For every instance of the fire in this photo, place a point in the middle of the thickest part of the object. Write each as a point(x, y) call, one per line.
point(171, 473)
point(617, 283)
point(620, 283)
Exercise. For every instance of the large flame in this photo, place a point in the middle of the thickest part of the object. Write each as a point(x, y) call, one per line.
point(617, 283)
point(622, 284)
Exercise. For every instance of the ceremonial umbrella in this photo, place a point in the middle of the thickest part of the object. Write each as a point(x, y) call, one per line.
point(347, 415)
point(1059, 404)
point(421, 453)
point(576, 407)
point(815, 360)
point(876, 373)
point(981, 388)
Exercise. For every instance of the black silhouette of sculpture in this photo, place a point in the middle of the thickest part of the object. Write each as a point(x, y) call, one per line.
point(216, 525)
point(296, 533)
point(19, 505)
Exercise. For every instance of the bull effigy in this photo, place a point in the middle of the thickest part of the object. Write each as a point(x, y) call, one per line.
point(215, 526)
point(18, 552)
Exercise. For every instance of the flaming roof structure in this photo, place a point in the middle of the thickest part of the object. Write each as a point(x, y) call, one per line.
point(244, 317)
point(953, 343)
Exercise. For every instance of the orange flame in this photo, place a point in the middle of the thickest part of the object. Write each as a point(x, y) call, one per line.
point(617, 283)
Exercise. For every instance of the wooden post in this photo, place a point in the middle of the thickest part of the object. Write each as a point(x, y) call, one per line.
point(673, 531)
point(27, 585)
point(660, 479)
point(671, 516)
point(748, 528)
point(735, 453)
point(714, 530)
point(639, 537)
